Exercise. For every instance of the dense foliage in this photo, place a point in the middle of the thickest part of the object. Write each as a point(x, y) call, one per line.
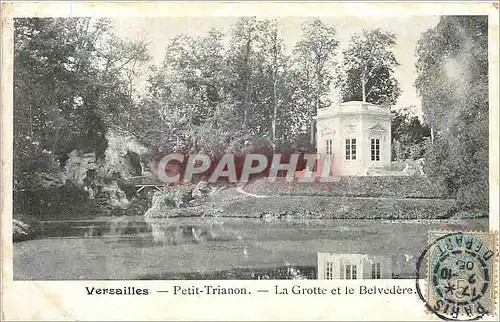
point(218, 98)
point(409, 136)
point(453, 84)
point(241, 92)
point(218, 93)
point(369, 64)
point(69, 89)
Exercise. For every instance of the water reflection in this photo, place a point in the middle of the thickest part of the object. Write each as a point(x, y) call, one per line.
point(166, 234)
point(333, 266)
point(108, 227)
point(190, 230)
point(226, 248)
point(242, 273)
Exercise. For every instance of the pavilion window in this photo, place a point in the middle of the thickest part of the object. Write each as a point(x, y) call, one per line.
point(375, 149)
point(376, 271)
point(351, 272)
point(350, 149)
point(329, 147)
point(329, 271)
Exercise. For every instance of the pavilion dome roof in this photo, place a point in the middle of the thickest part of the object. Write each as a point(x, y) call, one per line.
point(358, 105)
point(353, 107)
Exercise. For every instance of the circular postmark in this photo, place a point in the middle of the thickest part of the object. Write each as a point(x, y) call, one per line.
point(459, 271)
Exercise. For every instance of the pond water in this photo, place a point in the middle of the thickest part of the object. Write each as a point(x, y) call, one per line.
point(215, 248)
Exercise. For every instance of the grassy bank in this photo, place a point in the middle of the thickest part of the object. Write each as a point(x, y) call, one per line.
point(342, 208)
point(354, 186)
point(320, 208)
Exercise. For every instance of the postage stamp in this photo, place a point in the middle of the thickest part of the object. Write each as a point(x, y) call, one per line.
point(461, 268)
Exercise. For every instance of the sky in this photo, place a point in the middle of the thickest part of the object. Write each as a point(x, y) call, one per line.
point(157, 32)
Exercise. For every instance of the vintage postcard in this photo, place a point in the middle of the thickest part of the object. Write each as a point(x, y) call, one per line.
point(250, 160)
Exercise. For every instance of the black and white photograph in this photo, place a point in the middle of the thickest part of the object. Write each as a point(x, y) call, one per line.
point(245, 147)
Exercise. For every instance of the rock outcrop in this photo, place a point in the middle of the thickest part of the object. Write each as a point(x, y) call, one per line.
point(201, 189)
point(98, 177)
point(167, 199)
point(78, 166)
point(24, 228)
point(123, 155)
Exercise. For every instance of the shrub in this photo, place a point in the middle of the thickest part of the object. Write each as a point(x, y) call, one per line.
point(67, 201)
point(473, 196)
point(24, 228)
point(128, 188)
point(355, 186)
point(462, 169)
point(342, 208)
point(196, 211)
point(169, 198)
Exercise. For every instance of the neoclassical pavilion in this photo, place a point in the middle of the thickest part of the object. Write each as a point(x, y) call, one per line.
point(357, 135)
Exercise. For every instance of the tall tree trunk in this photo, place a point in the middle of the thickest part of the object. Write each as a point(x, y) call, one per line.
point(319, 79)
point(248, 73)
point(31, 124)
point(311, 120)
point(275, 90)
point(245, 117)
point(275, 114)
point(311, 130)
point(363, 84)
point(56, 139)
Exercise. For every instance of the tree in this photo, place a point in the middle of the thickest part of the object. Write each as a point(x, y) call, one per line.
point(68, 85)
point(275, 53)
point(408, 135)
point(199, 81)
point(188, 91)
point(242, 60)
point(271, 83)
point(368, 66)
point(452, 81)
point(213, 100)
point(314, 63)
